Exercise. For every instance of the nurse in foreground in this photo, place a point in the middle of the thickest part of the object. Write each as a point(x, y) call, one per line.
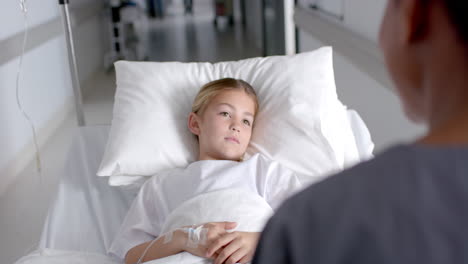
point(408, 204)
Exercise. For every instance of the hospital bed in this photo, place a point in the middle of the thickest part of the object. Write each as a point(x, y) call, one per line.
point(86, 213)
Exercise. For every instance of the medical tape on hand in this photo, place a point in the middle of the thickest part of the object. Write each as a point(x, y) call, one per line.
point(195, 236)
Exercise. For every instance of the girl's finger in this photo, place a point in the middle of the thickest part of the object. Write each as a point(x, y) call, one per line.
point(227, 252)
point(219, 243)
point(237, 256)
point(216, 254)
point(247, 258)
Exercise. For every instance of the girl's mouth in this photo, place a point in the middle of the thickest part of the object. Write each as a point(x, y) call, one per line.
point(233, 139)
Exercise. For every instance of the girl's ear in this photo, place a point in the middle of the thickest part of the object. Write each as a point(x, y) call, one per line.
point(193, 124)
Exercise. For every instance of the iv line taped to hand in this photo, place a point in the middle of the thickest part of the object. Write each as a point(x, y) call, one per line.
point(196, 237)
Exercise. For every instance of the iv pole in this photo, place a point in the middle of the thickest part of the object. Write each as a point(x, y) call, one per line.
point(72, 62)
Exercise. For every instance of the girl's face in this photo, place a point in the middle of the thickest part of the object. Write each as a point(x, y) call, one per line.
point(225, 127)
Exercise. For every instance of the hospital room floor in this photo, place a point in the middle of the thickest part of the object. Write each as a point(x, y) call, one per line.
point(176, 38)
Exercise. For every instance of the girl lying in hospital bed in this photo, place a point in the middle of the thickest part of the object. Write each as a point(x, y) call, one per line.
point(214, 209)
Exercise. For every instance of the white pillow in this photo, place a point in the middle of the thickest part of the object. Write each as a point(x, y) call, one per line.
point(149, 127)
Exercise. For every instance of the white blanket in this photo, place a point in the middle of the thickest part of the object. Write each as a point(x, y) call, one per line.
point(55, 256)
point(248, 210)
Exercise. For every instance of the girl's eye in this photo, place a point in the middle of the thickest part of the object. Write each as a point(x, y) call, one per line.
point(247, 122)
point(224, 114)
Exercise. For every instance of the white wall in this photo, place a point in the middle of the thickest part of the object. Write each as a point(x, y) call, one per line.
point(360, 16)
point(364, 16)
point(38, 13)
point(378, 105)
point(45, 88)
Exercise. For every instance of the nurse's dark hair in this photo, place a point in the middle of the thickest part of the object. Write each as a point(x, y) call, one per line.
point(457, 11)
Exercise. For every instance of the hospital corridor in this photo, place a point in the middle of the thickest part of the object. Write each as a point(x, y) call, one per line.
point(95, 95)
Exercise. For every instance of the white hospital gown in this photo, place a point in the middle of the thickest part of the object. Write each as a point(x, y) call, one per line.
point(165, 191)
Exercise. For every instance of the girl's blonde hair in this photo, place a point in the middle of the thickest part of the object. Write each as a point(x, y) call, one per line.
point(211, 89)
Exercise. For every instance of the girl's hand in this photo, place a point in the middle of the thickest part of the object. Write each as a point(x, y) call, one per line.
point(215, 231)
point(235, 247)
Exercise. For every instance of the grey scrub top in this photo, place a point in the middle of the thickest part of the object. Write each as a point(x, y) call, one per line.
point(408, 205)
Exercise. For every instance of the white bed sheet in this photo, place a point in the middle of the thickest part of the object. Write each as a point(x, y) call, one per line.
point(87, 212)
